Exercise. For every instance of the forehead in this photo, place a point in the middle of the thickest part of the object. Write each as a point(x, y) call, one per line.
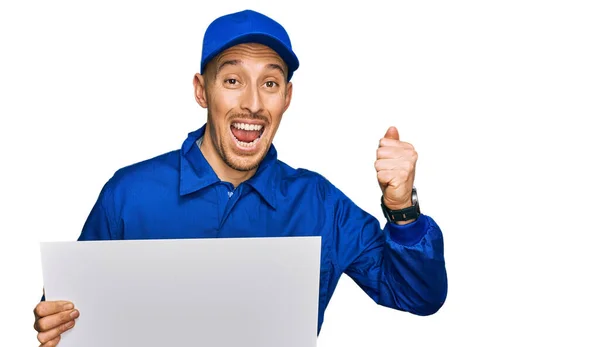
point(250, 53)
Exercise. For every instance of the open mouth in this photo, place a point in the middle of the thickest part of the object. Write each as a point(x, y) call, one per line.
point(247, 135)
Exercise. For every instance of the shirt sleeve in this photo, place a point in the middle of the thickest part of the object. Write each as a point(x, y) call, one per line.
point(100, 224)
point(399, 266)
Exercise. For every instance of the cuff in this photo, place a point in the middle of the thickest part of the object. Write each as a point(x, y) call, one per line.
point(408, 234)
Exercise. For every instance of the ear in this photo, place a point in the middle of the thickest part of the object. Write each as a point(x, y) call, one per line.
point(288, 95)
point(200, 90)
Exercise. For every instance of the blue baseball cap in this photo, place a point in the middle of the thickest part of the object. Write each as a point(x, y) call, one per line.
point(247, 27)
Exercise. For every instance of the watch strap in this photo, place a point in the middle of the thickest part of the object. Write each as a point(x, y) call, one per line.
point(401, 215)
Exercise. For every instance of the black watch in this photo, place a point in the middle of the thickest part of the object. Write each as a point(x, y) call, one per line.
point(405, 214)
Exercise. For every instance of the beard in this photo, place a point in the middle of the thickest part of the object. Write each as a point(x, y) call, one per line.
point(235, 161)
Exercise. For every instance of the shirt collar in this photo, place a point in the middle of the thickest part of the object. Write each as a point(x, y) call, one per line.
point(266, 177)
point(196, 173)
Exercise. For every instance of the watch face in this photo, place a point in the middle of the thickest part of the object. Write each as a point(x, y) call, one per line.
point(415, 199)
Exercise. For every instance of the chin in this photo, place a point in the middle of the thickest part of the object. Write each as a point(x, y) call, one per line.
point(245, 158)
point(243, 162)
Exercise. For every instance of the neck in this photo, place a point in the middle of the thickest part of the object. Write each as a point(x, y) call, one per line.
point(223, 171)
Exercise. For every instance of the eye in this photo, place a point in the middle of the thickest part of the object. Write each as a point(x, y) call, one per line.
point(232, 81)
point(271, 84)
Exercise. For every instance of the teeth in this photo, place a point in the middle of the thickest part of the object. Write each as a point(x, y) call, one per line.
point(247, 144)
point(247, 127)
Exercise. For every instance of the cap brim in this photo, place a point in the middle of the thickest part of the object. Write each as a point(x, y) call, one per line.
point(288, 56)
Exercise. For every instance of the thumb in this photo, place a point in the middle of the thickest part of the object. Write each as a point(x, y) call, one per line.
point(392, 133)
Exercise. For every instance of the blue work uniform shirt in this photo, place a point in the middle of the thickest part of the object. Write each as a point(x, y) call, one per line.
point(178, 195)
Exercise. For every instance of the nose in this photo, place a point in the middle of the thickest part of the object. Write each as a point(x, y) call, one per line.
point(251, 100)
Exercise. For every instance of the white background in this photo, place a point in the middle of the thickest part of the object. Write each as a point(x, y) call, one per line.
point(498, 98)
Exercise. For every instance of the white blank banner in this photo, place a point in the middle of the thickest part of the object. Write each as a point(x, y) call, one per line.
point(194, 292)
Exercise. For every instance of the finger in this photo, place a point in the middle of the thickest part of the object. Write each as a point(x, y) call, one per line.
point(50, 335)
point(46, 308)
point(396, 153)
point(386, 177)
point(50, 322)
point(394, 177)
point(385, 142)
point(392, 133)
point(392, 164)
point(52, 343)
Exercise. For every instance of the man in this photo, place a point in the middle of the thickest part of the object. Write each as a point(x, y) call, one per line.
point(226, 181)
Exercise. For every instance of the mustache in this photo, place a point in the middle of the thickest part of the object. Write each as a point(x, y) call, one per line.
point(253, 116)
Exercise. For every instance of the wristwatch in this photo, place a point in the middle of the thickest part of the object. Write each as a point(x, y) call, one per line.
point(404, 214)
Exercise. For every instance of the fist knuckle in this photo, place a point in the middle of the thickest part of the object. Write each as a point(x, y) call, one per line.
point(42, 326)
point(42, 338)
point(38, 310)
point(53, 343)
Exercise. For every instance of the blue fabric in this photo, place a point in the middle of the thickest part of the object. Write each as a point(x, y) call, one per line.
point(178, 195)
point(247, 27)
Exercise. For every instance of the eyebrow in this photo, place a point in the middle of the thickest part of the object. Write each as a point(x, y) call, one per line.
point(277, 67)
point(227, 62)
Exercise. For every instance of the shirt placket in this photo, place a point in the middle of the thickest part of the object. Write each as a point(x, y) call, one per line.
point(228, 196)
